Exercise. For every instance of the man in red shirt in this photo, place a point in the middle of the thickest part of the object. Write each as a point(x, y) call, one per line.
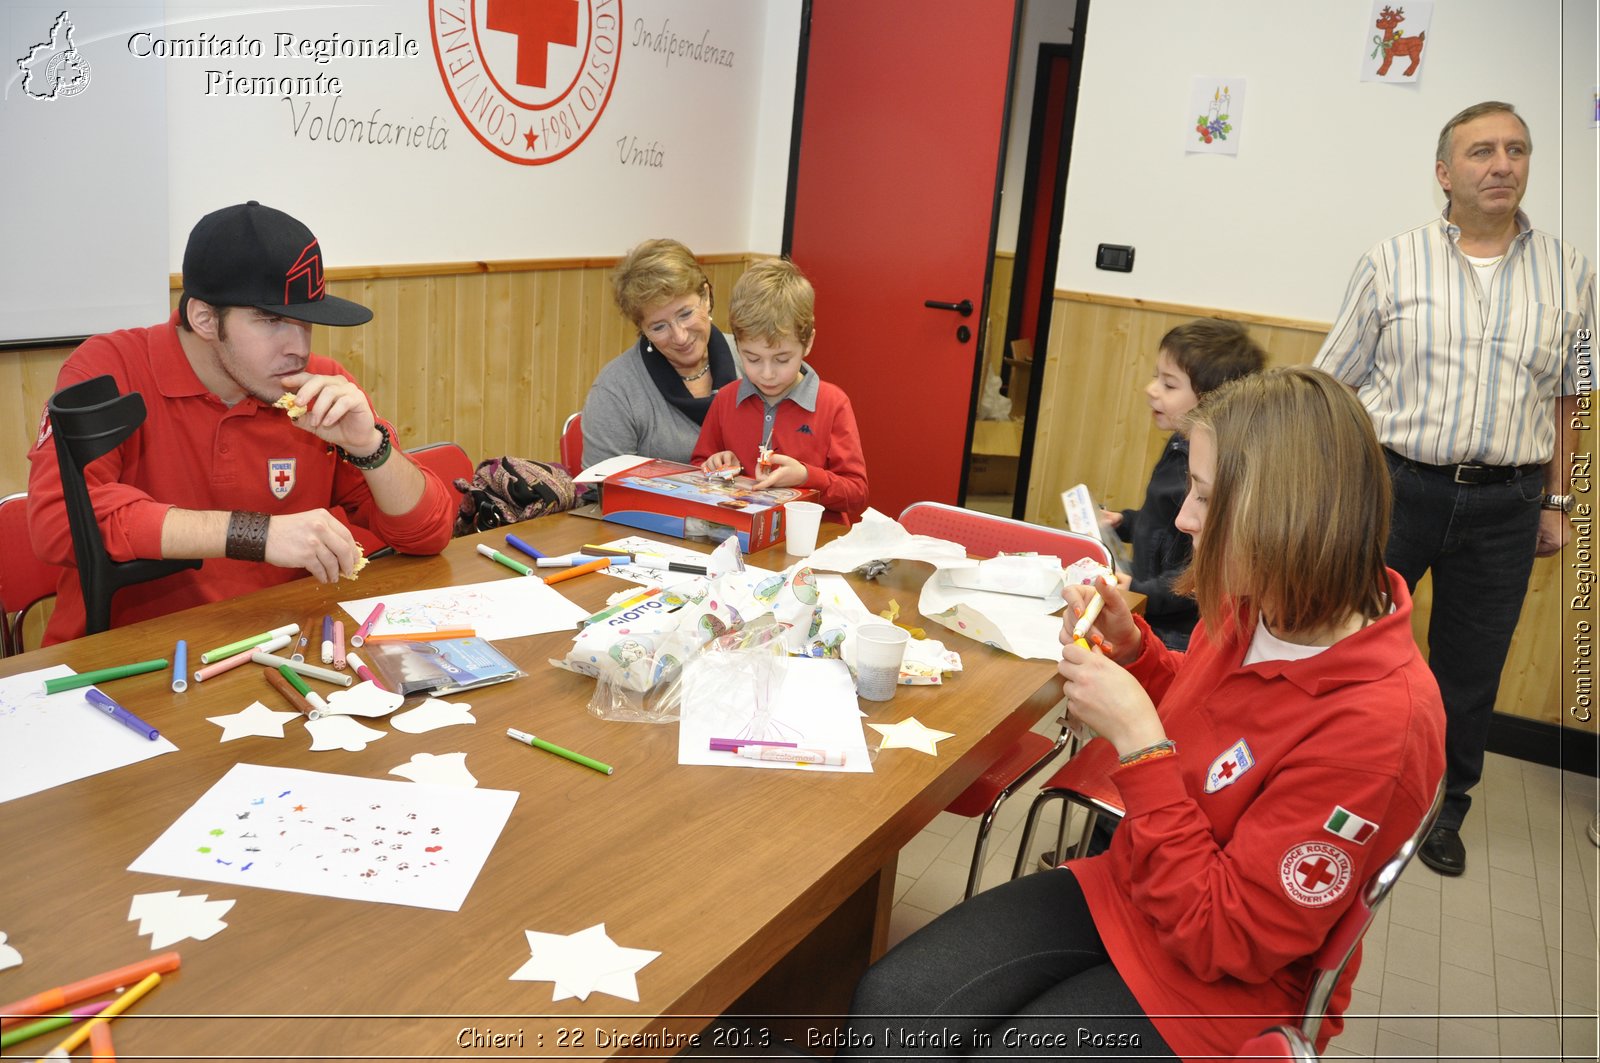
point(217, 471)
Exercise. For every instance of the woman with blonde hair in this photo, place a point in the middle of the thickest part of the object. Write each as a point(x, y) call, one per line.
point(1266, 772)
point(652, 399)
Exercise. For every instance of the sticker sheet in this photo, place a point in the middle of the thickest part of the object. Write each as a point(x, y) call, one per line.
point(334, 836)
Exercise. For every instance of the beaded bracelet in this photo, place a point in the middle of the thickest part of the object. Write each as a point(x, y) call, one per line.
point(376, 458)
point(247, 536)
point(1165, 748)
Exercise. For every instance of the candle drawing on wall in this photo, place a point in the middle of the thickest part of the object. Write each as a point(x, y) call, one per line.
point(1394, 53)
point(1217, 104)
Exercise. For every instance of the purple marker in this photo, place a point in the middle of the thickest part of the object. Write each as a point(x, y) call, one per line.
point(327, 640)
point(120, 714)
point(731, 745)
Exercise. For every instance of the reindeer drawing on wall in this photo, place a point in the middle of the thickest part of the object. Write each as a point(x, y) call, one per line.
point(1393, 43)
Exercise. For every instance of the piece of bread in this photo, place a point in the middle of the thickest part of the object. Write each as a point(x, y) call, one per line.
point(361, 562)
point(294, 409)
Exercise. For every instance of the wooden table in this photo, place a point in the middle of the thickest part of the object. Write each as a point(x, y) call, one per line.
point(747, 881)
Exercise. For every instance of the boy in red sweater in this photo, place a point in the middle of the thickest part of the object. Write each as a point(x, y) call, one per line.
point(781, 420)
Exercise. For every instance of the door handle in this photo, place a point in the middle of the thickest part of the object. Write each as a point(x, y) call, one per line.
point(964, 307)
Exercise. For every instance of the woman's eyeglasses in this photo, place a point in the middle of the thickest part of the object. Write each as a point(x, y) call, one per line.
point(682, 319)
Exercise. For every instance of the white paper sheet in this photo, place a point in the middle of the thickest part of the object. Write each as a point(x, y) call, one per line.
point(879, 538)
point(334, 836)
point(814, 705)
point(48, 740)
point(499, 609)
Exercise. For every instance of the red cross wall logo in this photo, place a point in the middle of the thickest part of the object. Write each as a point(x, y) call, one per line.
point(1232, 763)
point(530, 78)
point(280, 476)
point(1315, 873)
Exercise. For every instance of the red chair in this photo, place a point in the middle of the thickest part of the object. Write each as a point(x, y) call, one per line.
point(1085, 781)
point(448, 462)
point(1279, 1042)
point(985, 535)
point(572, 444)
point(25, 580)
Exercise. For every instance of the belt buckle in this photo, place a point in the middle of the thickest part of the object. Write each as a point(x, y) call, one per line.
point(1463, 467)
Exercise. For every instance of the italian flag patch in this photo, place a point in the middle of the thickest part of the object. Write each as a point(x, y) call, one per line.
point(1346, 824)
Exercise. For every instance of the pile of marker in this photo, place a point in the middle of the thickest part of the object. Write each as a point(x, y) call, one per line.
point(139, 977)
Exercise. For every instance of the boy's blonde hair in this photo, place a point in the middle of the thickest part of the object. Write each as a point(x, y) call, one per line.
point(1211, 352)
point(772, 300)
point(653, 273)
point(1299, 513)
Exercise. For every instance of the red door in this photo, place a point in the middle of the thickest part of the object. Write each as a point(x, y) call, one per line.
point(894, 204)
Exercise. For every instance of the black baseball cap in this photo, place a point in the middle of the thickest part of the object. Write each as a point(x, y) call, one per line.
point(251, 255)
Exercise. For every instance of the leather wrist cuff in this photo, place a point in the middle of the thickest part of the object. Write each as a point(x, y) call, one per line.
point(247, 536)
point(376, 458)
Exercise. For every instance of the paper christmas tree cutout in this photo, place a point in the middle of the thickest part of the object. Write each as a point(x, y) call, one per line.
point(167, 917)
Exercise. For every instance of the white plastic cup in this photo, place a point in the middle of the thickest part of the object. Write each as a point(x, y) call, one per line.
point(805, 520)
point(879, 650)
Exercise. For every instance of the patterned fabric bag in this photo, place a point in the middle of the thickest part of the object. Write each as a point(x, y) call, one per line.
point(507, 490)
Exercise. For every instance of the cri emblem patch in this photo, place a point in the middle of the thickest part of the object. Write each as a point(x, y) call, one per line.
point(1315, 874)
point(530, 79)
point(280, 476)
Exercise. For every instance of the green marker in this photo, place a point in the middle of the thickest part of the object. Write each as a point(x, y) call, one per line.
point(89, 679)
point(244, 644)
point(551, 747)
point(494, 555)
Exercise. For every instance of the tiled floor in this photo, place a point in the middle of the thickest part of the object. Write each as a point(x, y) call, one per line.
point(1497, 964)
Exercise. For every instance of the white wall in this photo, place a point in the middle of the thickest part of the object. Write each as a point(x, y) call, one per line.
point(1043, 21)
point(697, 124)
point(1327, 166)
point(774, 125)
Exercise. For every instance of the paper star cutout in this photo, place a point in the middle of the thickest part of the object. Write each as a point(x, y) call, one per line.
point(582, 963)
point(364, 699)
point(432, 715)
point(341, 732)
point(910, 734)
point(9, 957)
point(167, 917)
point(444, 769)
point(254, 721)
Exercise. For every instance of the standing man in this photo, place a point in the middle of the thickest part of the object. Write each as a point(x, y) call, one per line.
point(219, 471)
point(1459, 338)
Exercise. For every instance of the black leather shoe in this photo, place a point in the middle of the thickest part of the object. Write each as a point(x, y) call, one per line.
point(1442, 850)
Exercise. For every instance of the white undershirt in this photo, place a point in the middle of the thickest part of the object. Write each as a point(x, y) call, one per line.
point(1265, 646)
point(1485, 268)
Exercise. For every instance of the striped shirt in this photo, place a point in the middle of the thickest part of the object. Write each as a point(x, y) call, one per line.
point(1453, 370)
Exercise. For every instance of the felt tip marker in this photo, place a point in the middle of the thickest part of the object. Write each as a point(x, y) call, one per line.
point(1081, 628)
point(732, 745)
point(662, 564)
point(366, 625)
point(360, 668)
point(565, 561)
point(232, 648)
point(783, 755)
point(227, 664)
point(551, 747)
point(517, 544)
point(496, 556)
point(120, 714)
point(180, 667)
point(338, 644)
point(577, 570)
point(605, 551)
point(327, 640)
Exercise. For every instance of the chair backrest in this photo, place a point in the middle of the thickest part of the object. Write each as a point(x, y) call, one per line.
point(572, 444)
point(986, 535)
point(1339, 947)
point(1278, 1042)
point(446, 461)
point(25, 580)
point(89, 420)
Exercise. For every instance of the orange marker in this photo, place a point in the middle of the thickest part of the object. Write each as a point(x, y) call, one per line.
point(423, 636)
point(59, 998)
point(100, 1047)
point(577, 570)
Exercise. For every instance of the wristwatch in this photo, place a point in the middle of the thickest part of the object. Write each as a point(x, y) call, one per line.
point(373, 460)
point(1557, 502)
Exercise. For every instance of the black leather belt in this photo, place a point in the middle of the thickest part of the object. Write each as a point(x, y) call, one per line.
point(1471, 472)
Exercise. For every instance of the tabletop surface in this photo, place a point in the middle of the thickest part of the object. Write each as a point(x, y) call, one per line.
point(721, 869)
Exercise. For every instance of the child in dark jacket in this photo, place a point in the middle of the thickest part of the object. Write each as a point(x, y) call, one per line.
point(1192, 360)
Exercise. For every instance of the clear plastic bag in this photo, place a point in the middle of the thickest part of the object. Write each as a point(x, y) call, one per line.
point(752, 653)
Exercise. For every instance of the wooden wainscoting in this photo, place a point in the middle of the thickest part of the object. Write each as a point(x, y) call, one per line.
point(1095, 428)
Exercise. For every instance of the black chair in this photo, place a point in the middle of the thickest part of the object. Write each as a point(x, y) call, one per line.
point(88, 421)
